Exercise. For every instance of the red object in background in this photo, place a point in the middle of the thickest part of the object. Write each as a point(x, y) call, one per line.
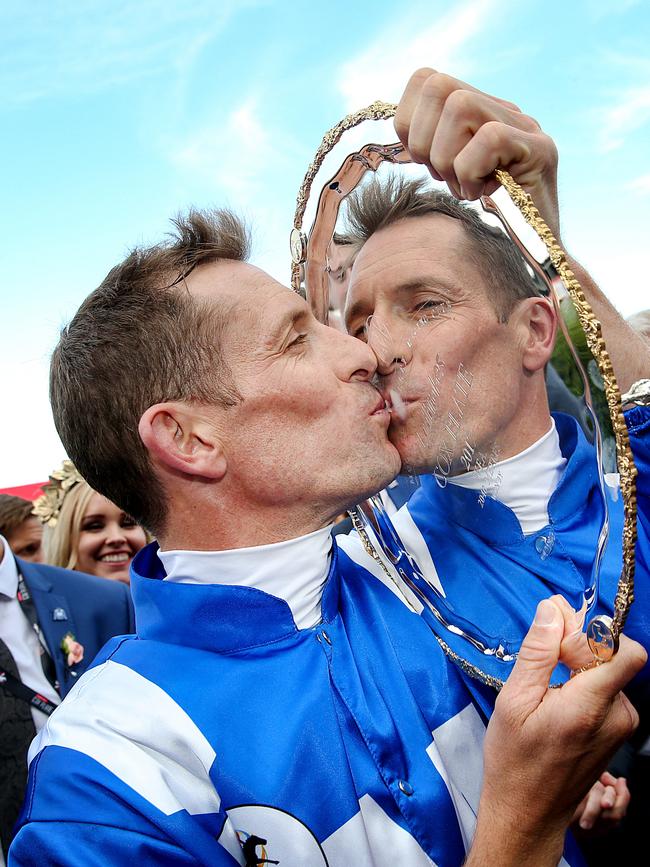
point(27, 492)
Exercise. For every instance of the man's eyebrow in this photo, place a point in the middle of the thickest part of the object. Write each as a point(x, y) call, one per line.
point(437, 284)
point(281, 325)
point(354, 310)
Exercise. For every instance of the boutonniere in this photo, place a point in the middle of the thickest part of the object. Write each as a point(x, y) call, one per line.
point(73, 650)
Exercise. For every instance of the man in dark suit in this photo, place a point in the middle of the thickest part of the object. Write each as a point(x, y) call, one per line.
point(52, 624)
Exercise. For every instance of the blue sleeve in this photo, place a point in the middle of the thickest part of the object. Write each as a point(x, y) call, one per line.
point(78, 814)
point(638, 622)
point(638, 425)
point(638, 422)
point(76, 844)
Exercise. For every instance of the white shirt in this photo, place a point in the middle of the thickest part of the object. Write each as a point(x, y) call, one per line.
point(524, 482)
point(294, 570)
point(20, 637)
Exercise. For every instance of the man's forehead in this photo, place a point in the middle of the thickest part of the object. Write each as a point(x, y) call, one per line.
point(254, 300)
point(424, 235)
point(432, 247)
point(231, 280)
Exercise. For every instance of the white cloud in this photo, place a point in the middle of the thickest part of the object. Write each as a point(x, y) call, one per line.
point(243, 161)
point(227, 153)
point(629, 113)
point(383, 68)
point(239, 154)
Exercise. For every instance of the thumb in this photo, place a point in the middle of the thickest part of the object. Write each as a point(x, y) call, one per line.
point(538, 656)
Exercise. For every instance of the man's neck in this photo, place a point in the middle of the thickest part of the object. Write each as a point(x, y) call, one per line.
point(210, 527)
point(529, 421)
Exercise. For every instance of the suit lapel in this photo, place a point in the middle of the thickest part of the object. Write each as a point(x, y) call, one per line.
point(54, 618)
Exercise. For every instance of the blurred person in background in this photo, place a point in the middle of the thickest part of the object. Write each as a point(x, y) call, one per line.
point(52, 624)
point(21, 528)
point(88, 533)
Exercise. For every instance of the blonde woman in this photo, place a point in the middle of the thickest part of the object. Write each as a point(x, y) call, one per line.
point(84, 530)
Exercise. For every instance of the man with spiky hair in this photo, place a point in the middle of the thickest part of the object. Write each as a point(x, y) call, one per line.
point(510, 494)
point(280, 702)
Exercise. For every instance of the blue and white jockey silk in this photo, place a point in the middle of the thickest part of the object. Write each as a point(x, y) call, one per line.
point(221, 734)
point(473, 550)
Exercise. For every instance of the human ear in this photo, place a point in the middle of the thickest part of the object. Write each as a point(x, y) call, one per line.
point(181, 439)
point(539, 322)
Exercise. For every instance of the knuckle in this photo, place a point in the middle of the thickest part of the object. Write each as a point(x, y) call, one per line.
point(623, 719)
point(550, 147)
point(491, 134)
point(528, 123)
point(444, 166)
point(461, 103)
point(421, 75)
point(561, 602)
point(418, 150)
point(438, 86)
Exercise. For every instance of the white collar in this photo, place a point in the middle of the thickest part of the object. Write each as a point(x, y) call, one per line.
point(524, 482)
point(294, 570)
point(8, 571)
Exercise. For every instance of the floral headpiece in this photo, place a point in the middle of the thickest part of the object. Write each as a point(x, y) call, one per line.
point(48, 506)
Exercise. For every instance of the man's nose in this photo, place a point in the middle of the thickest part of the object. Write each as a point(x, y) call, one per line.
point(391, 347)
point(352, 357)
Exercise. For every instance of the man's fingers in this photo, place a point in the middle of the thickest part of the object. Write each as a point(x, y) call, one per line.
point(608, 779)
point(615, 800)
point(408, 101)
point(622, 802)
point(495, 144)
point(436, 86)
point(491, 128)
point(592, 807)
point(609, 679)
point(608, 798)
point(429, 95)
point(538, 656)
point(606, 802)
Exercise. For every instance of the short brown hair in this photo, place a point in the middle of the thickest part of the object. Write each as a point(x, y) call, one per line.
point(13, 511)
point(137, 340)
point(380, 203)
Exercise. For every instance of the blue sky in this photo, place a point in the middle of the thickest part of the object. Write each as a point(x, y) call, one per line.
point(115, 115)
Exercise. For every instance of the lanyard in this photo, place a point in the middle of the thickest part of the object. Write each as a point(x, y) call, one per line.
point(29, 610)
point(20, 690)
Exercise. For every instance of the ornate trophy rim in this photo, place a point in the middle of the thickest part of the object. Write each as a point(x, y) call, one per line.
point(300, 249)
